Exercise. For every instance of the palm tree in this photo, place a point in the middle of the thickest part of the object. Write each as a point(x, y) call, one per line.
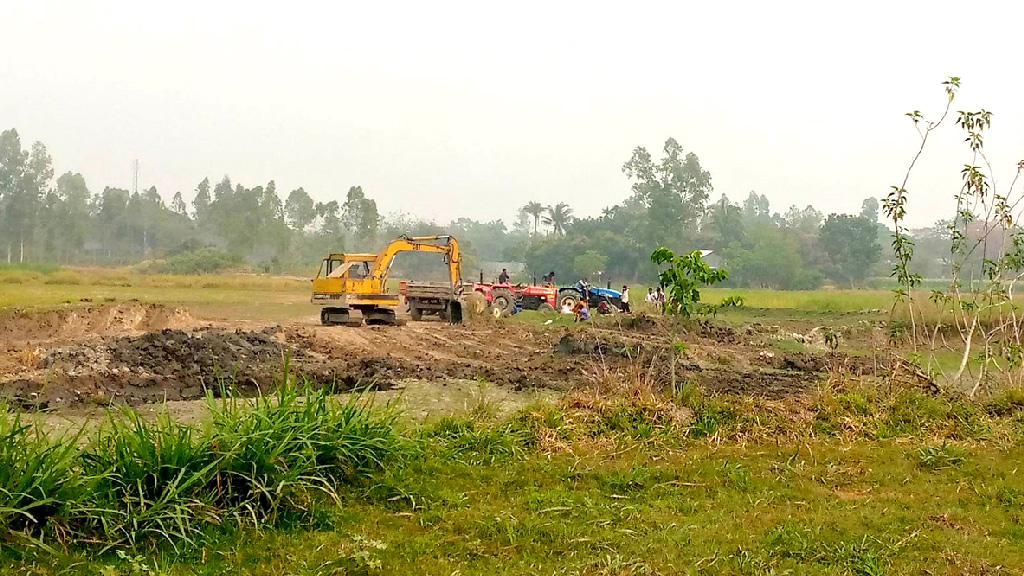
point(534, 209)
point(558, 217)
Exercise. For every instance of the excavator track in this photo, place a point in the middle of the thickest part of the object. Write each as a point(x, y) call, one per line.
point(378, 316)
point(340, 317)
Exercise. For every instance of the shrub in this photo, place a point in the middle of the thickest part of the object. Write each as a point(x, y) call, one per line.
point(201, 261)
point(1006, 402)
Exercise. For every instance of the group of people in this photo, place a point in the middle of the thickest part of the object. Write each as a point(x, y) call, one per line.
point(655, 297)
point(582, 311)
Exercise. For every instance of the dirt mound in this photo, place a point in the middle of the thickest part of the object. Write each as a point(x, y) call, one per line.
point(74, 323)
point(171, 364)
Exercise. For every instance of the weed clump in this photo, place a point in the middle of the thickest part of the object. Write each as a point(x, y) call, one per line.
point(939, 457)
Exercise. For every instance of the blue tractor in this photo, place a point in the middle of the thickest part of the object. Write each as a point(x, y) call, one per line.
point(570, 295)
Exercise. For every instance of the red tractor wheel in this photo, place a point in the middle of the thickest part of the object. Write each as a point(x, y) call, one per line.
point(502, 299)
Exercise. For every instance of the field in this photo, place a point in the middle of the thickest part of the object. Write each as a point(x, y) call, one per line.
point(210, 425)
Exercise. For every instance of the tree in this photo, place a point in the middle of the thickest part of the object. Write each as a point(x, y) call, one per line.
point(24, 181)
point(66, 220)
point(852, 246)
point(535, 210)
point(671, 193)
point(201, 203)
point(299, 209)
point(559, 216)
point(12, 179)
point(869, 210)
point(178, 204)
point(770, 259)
point(360, 216)
point(756, 207)
point(726, 223)
point(589, 264)
point(683, 278)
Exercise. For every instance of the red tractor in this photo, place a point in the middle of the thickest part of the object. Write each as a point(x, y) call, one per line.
point(508, 297)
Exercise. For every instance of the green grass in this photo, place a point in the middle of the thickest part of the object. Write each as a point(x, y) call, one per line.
point(597, 484)
point(821, 508)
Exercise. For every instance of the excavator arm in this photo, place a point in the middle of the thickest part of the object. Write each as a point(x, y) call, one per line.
point(449, 247)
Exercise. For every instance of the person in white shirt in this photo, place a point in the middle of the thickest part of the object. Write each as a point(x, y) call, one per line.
point(625, 299)
point(650, 295)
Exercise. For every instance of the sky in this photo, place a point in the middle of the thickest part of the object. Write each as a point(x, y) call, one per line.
point(444, 109)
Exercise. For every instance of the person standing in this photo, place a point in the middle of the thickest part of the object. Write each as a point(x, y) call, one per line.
point(650, 296)
point(625, 299)
point(660, 296)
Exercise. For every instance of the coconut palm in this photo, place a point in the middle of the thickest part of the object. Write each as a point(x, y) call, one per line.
point(534, 209)
point(558, 217)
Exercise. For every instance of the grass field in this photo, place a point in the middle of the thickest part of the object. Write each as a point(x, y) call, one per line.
point(872, 483)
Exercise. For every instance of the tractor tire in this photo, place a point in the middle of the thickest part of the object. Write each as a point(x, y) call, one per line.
point(504, 300)
point(568, 298)
point(546, 308)
point(415, 313)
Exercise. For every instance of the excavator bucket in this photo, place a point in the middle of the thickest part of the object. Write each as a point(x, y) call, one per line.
point(455, 312)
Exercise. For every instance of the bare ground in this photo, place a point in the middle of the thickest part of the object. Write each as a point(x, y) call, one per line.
point(138, 353)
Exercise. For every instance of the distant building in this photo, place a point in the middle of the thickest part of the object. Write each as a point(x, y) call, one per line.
point(713, 260)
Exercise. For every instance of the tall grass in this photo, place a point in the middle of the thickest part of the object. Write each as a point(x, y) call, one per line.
point(141, 481)
point(280, 449)
point(152, 480)
point(39, 477)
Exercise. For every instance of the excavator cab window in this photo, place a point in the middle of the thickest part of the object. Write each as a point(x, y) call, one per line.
point(332, 265)
point(359, 270)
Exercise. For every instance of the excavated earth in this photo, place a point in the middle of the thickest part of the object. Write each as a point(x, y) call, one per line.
point(137, 353)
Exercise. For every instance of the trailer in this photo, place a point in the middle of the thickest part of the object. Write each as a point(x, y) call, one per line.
point(428, 298)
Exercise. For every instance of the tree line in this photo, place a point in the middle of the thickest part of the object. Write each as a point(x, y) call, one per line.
point(43, 218)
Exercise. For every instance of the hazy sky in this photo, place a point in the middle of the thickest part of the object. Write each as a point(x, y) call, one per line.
point(472, 109)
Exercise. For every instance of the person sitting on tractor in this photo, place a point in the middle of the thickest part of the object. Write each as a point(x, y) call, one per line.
point(503, 277)
point(548, 278)
point(584, 288)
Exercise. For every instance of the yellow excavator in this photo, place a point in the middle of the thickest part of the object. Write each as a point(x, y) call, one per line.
point(352, 288)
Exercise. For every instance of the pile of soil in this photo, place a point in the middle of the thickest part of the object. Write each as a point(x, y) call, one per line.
point(138, 353)
point(72, 323)
point(167, 364)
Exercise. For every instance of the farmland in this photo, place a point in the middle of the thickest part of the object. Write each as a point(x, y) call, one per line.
point(512, 446)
